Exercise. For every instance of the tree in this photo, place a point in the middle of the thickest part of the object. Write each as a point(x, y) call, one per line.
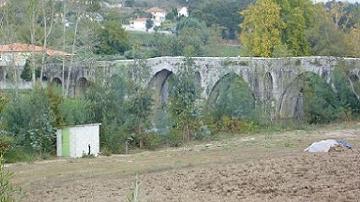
point(182, 100)
point(29, 119)
point(192, 35)
point(149, 24)
point(262, 28)
point(353, 41)
point(298, 17)
point(223, 13)
point(324, 37)
point(48, 12)
point(83, 13)
point(113, 39)
point(129, 3)
point(139, 103)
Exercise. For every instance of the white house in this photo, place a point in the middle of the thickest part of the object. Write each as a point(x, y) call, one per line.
point(183, 12)
point(159, 15)
point(77, 141)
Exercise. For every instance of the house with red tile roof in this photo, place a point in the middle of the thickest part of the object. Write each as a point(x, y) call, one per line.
point(17, 53)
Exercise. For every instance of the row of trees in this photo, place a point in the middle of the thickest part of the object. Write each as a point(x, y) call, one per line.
point(268, 28)
point(126, 108)
point(273, 28)
point(123, 104)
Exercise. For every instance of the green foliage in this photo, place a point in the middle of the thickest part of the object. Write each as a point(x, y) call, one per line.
point(75, 111)
point(347, 95)
point(223, 13)
point(129, 3)
point(231, 98)
point(298, 17)
point(30, 120)
point(113, 38)
point(183, 95)
point(5, 143)
point(152, 141)
point(139, 107)
point(19, 154)
point(262, 28)
point(54, 93)
point(321, 104)
point(231, 125)
point(149, 24)
point(106, 103)
point(4, 99)
point(175, 138)
point(166, 45)
point(333, 44)
point(7, 190)
point(26, 74)
point(231, 106)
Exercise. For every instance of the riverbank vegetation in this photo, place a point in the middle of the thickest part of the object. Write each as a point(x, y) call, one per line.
point(132, 115)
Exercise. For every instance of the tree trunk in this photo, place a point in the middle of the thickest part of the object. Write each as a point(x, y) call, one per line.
point(64, 49)
point(72, 55)
point(46, 35)
point(32, 33)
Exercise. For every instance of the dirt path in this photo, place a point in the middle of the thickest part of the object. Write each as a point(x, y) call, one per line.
point(254, 168)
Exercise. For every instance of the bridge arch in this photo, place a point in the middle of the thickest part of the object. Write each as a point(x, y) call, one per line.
point(81, 86)
point(231, 96)
point(160, 86)
point(308, 97)
point(56, 81)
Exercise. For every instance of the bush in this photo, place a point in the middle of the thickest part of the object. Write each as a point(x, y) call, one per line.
point(152, 141)
point(106, 151)
point(19, 154)
point(7, 191)
point(175, 138)
point(75, 111)
point(5, 143)
point(29, 119)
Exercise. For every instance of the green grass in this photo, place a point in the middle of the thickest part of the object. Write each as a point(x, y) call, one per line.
point(140, 38)
point(222, 50)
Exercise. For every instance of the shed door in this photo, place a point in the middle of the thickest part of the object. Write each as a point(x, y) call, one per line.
point(66, 142)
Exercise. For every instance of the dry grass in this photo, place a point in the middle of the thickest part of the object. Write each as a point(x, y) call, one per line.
point(170, 174)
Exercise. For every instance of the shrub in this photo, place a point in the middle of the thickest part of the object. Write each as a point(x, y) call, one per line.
point(18, 154)
point(29, 119)
point(5, 143)
point(152, 141)
point(7, 191)
point(106, 151)
point(75, 111)
point(175, 138)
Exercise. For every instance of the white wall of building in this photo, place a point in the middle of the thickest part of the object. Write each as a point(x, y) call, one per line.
point(80, 138)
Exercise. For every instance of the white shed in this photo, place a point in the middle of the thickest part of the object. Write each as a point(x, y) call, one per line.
point(77, 141)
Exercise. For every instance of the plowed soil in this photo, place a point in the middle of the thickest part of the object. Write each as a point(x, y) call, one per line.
point(259, 167)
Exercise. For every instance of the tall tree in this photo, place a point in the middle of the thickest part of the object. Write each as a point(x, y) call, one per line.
point(262, 28)
point(182, 100)
point(324, 36)
point(48, 14)
point(297, 15)
point(353, 41)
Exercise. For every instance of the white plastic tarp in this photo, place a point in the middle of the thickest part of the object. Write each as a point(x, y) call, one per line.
point(322, 146)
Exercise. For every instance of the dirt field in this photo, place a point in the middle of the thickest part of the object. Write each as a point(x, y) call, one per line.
point(261, 167)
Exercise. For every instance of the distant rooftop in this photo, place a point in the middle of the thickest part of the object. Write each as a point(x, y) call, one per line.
point(155, 10)
point(27, 48)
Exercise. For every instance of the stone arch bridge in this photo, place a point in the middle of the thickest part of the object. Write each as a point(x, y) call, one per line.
point(268, 78)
